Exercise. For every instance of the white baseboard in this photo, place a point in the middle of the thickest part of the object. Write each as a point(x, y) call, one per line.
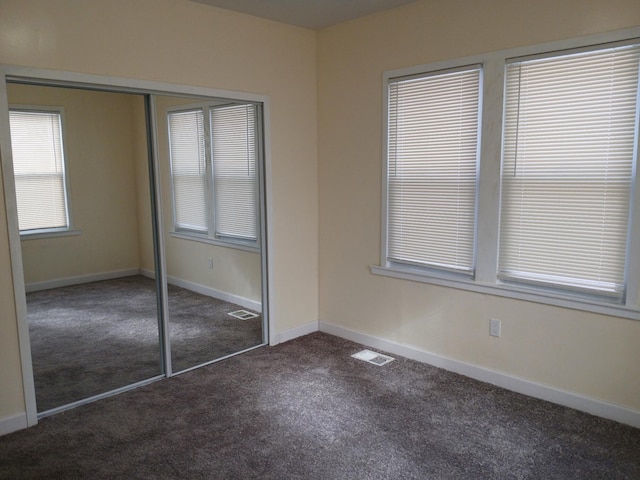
point(501, 379)
point(13, 423)
point(208, 291)
point(67, 281)
point(295, 332)
point(212, 292)
point(145, 272)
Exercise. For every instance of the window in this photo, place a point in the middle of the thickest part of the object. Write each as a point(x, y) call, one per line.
point(432, 146)
point(39, 170)
point(233, 149)
point(214, 157)
point(568, 160)
point(188, 170)
point(539, 204)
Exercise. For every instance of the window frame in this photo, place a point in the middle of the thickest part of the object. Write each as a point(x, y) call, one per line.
point(486, 280)
point(210, 236)
point(431, 266)
point(50, 232)
point(583, 285)
point(215, 216)
point(207, 206)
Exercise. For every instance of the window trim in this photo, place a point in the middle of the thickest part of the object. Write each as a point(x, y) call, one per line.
point(485, 280)
point(69, 230)
point(428, 267)
point(209, 237)
point(200, 238)
point(49, 233)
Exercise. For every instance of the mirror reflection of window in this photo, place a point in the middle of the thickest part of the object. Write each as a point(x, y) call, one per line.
point(188, 170)
point(234, 156)
point(39, 170)
point(213, 170)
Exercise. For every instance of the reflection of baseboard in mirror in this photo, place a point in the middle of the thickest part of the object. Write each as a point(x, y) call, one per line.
point(209, 291)
point(78, 280)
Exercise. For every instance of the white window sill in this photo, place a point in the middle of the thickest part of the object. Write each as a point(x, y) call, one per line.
point(37, 235)
point(509, 291)
point(194, 237)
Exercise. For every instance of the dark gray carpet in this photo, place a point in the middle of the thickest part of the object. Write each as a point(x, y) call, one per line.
point(306, 410)
point(92, 338)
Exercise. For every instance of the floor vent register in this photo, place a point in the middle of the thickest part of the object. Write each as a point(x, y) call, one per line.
point(243, 314)
point(373, 357)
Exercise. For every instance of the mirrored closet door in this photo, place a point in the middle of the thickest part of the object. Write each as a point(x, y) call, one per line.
point(209, 156)
point(141, 225)
point(81, 171)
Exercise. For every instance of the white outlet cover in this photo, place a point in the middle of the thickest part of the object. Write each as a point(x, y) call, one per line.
point(494, 327)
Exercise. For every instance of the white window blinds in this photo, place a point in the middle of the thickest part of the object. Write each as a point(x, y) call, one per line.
point(433, 129)
point(568, 162)
point(234, 153)
point(188, 169)
point(38, 164)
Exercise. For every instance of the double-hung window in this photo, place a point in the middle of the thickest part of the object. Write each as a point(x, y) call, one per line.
point(188, 170)
point(432, 145)
point(569, 152)
point(39, 170)
point(214, 154)
point(540, 203)
point(234, 159)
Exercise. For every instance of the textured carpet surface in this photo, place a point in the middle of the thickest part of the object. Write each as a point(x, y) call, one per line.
point(306, 410)
point(92, 338)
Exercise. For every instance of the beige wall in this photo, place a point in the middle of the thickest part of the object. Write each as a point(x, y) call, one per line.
point(585, 353)
point(234, 271)
point(184, 42)
point(98, 136)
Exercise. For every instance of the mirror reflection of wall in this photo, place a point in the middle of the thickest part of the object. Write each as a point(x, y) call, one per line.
point(208, 154)
point(92, 317)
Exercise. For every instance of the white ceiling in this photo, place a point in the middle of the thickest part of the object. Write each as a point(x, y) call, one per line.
point(314, 14)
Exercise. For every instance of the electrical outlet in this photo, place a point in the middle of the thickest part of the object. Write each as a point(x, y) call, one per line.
point(210, 262)
point(494, 327)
